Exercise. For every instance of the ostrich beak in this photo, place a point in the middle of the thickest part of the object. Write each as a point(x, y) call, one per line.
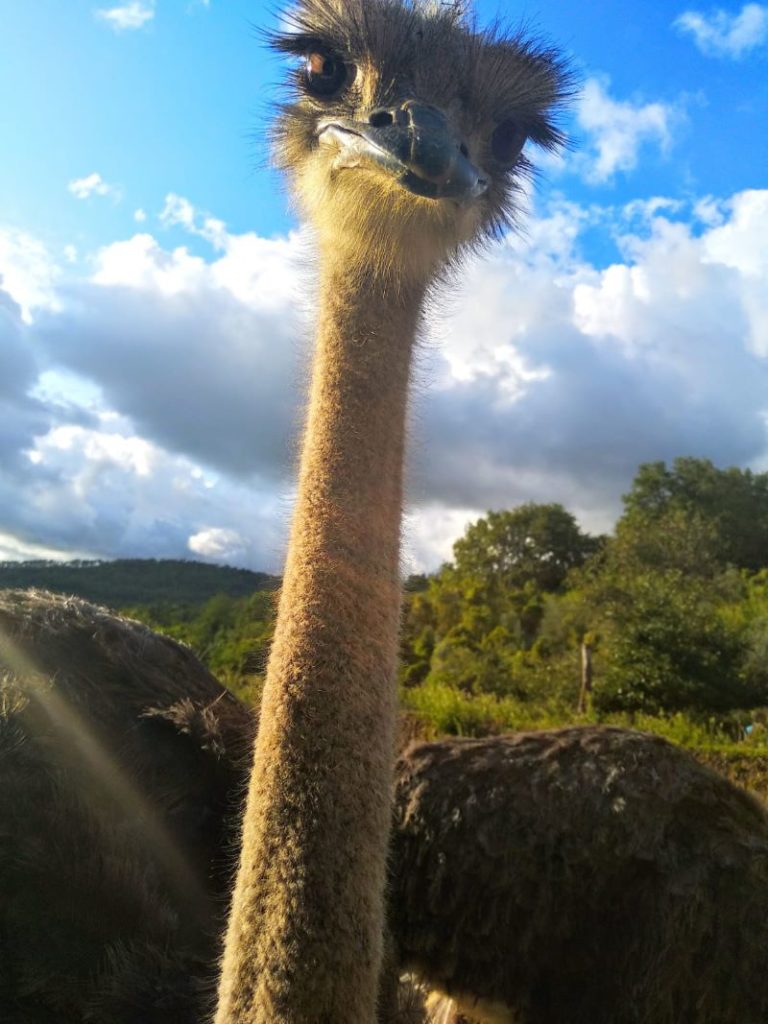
point(413, 143)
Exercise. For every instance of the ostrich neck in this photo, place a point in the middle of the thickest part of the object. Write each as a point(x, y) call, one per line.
point(305, 933)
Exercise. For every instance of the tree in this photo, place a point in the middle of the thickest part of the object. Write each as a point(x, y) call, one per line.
point(532, 546)
point(660, 601)
point(668, 646)
point(733, 503)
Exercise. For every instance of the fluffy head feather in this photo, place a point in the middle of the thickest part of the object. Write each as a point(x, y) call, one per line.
point(432, 54)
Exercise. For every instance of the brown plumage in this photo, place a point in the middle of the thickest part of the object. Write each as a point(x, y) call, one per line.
point(584, 875)
point(402, 137)
point(123, 766)
point(121, 769)
point(580, 875)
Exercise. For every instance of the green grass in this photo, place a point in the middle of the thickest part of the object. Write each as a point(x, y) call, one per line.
point(437, 710)
point(446, 710)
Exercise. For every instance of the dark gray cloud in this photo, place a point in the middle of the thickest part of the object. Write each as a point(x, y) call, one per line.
point(21, 417)
point(199, 372)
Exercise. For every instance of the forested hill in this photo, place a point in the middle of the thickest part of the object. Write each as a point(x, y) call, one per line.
point(136, 581)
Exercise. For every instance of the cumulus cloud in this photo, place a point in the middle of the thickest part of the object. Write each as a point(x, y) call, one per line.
point(125, 17)
point(561, 378)
point(202, 355)
point(84, 481)
point(22, 416)
point(92, 185)
point(617, 130)
point(111, 492)
point(722, 34)
point(544, 378)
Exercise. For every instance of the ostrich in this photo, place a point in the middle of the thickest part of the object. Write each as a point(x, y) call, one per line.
point(121, 769)
point(403, 141)
point(404, 144)
point(584, 875)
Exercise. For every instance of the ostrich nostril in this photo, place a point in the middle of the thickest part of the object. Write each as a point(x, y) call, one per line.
point(464, 150)
point(381, 119)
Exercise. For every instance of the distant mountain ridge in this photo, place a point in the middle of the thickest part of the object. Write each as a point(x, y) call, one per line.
point(136, 581)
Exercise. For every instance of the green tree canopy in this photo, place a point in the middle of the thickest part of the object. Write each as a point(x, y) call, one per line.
point(669, 644)
point(733, 503)
point(533, 546)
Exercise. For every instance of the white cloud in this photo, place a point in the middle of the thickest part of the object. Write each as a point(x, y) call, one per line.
point(260, 272)
point(108, 491)
point(429, 533)
point(28, 273)
point(140, 262)
point(219, 545)
point(93, 185)
point(739, 243)
point(721, 34)
point(709, 211)
point(178, 211)
point(219, 335)
point(133, 15)
point(617, 130)
point(661, 354)
point(139, 216)
point(647, 209)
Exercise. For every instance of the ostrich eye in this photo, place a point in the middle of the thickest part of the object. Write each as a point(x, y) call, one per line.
point(507, 142)
point(326, 75)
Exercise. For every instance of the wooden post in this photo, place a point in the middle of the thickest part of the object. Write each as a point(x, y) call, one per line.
point(585, 694)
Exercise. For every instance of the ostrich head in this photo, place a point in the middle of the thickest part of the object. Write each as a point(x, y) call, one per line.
point(405, 128)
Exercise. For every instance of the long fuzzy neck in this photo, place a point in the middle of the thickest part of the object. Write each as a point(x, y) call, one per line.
point(305, 933)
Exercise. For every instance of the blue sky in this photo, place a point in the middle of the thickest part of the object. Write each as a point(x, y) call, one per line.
point(180, 104)
point(134, 183)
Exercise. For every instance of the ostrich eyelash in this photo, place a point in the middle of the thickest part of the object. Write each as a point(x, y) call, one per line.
point(299, 44)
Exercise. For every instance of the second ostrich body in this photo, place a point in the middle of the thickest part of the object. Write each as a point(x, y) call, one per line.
point(403, 142)
point(582, 875)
